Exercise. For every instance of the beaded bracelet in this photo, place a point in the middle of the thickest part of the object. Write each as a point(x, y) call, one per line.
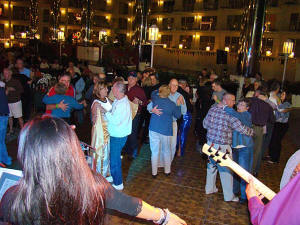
point(162, 217)
point(167, 216)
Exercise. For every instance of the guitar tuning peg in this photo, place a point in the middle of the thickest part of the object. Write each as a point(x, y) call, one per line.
point(209, 150)
point(226, 153)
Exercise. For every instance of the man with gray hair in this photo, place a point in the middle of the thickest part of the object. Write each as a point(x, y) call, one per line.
point(219, 127)
point(119, 122)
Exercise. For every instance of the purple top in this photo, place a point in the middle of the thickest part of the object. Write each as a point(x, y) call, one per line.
point(283, 209)
point(261, 112)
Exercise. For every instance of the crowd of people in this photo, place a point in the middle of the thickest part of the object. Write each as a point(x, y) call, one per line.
point(124, 111)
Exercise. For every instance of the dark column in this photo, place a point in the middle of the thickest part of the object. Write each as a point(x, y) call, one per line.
point(251, 37)
point(87, 16)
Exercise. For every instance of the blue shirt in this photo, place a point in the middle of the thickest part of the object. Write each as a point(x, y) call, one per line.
point(174, 98)
point(282, 117)
point(26, 72)
point(163, 124)
point(237, 137)
point(56, 99)
point(3, 102)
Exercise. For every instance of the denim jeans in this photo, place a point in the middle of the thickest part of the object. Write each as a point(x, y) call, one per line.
point(4, 158)
point(225, 175)
point(243, 157)
point(116, 145)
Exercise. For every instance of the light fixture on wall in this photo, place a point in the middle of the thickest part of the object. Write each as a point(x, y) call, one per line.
point(268, 53)
point(180, 46)
point(227, 49)
point(6, 45)
point(287, 50)
point(165, 46)
point(292, 55)
point(23, 35)
point(207, 48)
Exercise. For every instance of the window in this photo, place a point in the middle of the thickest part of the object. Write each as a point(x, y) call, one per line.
point(186, 41)
point(76, 3)
point(166, 39)
point(123, 8)
point(210, 4)
point(74, 19)
point(21, 13)
point(270, 22)
point(153, 21)
point(233, 4)
point(234, 22)
point(168, 6)
point(297, 47)
point(295, 22)
point(207, 41)
point(187, 23)
point(100, 5)
point(45, 33)
point(167, 23)
point(46, 15)
point(154, 6)
point(208, 23)
point(19, 29)
point(2, 13)
point(100, 21)
point(122, 24)
point(188, 5)
point(1, 30)
point(267, 45)
point(232, 43)
point(272, 3)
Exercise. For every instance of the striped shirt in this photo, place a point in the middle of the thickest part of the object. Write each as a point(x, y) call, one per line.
point(220, 125)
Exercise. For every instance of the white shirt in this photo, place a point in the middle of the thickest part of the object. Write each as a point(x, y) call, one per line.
point(119, 118)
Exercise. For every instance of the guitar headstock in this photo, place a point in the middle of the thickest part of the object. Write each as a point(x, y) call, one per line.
point(220, 157)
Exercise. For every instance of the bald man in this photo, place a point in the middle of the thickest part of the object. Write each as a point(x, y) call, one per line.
point(220, 126)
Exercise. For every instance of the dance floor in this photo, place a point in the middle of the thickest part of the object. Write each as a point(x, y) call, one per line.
point(183, 191)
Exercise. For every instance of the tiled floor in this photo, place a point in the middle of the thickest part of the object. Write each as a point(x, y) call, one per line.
point(183, 191)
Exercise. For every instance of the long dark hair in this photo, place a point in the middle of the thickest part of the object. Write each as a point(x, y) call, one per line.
point(57, 186)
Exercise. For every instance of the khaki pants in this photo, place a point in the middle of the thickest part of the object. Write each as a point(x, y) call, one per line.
point(258, 141)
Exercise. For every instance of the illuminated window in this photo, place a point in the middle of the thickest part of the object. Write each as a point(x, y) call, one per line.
point(232, 43)
point(186, 41)
point(167, 39)
point(207, 41)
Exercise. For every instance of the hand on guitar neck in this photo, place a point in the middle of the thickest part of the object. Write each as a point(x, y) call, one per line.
point(224, 160)
point(251, 191)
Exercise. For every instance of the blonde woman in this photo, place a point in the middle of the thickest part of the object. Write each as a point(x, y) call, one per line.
point(161, 129)
point(100, 135)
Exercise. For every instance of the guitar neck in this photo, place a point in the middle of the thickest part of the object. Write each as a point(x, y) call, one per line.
point(259, 186)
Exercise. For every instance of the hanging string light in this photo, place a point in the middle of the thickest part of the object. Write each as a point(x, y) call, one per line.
point(34, 18)
point(54, 14)
point(86, 20)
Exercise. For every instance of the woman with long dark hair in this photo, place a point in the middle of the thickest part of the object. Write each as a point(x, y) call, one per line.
point(58, 187)
point(281, 126)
